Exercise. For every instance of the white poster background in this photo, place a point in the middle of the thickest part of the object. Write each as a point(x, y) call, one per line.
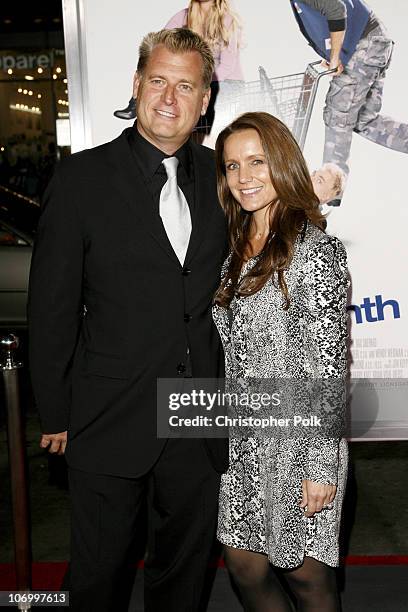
point(373, 218)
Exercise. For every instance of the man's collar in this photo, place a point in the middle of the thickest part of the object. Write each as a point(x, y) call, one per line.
point(150, 157)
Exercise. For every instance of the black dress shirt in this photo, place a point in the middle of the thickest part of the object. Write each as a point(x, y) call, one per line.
point(149, 160)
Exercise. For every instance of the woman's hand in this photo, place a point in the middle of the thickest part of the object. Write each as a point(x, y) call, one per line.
point(316, 496)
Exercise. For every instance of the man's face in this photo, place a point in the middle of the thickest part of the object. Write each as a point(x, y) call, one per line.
point(170, 97)
point(323, 185)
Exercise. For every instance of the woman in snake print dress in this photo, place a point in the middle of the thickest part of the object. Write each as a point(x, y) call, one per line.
point(281, 314)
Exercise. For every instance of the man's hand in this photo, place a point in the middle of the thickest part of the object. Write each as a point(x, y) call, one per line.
point(58, 442)
point(316, 496)
point(335, 64)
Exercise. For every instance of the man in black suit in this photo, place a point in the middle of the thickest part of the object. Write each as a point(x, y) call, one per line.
point(112, 308)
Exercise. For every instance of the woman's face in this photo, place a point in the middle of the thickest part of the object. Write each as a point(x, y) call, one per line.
point(247, 171)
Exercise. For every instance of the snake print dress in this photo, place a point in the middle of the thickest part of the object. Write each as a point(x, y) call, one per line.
point(260, 492)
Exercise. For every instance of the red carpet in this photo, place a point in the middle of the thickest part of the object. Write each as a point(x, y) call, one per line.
point(48, 576)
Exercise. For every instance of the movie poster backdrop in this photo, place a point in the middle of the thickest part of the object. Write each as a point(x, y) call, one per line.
point(267, 70)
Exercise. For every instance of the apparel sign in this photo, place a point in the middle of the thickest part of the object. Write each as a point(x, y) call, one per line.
point(28, 61)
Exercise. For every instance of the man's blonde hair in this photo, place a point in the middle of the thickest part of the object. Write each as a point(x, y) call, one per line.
point(177, 40)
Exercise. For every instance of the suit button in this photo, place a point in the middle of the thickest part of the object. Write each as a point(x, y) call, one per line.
point(181, 368)
point(187, 318)
point(186, 271)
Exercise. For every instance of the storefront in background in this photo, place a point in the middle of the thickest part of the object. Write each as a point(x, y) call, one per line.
point(34, 110)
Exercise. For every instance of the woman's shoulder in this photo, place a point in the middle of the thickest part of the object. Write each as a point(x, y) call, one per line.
point(178, 20)
point(321, 251)
point(315, 239)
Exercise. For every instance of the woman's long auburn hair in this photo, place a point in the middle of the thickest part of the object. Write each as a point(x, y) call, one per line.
point(213, 30)
point(294, 205)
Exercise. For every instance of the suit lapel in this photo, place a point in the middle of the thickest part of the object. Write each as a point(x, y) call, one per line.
point(129, 182)
point(204, 193)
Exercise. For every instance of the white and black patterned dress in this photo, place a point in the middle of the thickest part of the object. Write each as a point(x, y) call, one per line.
point(259, 497)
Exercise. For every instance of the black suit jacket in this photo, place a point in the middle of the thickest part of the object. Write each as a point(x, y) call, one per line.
point(107, 305)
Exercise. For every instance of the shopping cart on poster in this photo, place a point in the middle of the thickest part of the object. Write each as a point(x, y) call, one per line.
point(290, 98)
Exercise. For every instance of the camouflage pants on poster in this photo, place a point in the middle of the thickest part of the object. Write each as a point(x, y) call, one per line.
point(354, 99)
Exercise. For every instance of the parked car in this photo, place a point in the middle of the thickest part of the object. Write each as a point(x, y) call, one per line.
point(15, 258)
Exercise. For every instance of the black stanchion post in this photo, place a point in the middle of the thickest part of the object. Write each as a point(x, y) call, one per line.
point(17, 462)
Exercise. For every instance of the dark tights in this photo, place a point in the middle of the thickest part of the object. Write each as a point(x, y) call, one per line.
point(313, 584)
